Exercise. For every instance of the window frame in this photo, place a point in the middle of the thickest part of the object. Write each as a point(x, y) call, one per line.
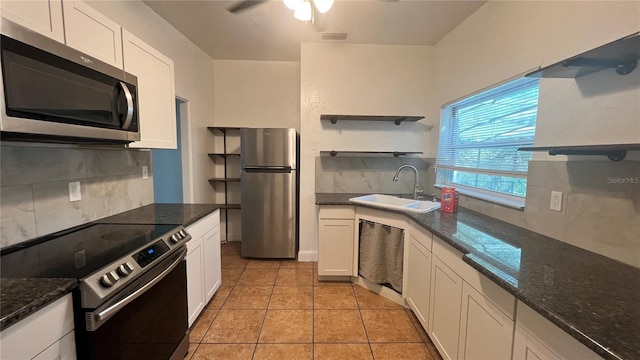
point(444, 172)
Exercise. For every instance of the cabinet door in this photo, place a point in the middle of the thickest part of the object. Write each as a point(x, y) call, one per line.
point(444, 308)
point(37, 332)
point(156, 93)
point(94, 34)
point(195, 278)
point(63, 349)
point(335, 247)
point(526, 347)
point(418, 279)
point(485, 331)
point(212, 262)
point(41, 16)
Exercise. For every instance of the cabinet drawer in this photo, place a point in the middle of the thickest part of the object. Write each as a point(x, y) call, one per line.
point(424, 237)
point(38, 331)
point(337, 212)
point(492, 291)
point(200, 227)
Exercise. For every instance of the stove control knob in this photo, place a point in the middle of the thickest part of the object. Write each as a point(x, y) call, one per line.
point(109, 279)
point(183, 233)
point(124, 269)
point(175, 238)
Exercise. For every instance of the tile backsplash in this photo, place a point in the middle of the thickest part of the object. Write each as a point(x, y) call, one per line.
point(600, 209)
point(34, 193)
point(356, 174)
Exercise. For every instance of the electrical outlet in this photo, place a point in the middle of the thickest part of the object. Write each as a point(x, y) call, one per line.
point(556, 201)
point(145, 172)
point(74, 191)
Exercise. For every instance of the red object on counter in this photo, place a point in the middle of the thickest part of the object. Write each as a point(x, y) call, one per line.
point(449, 200)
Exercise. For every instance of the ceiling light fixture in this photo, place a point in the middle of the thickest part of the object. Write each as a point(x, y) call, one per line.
point(303, 10)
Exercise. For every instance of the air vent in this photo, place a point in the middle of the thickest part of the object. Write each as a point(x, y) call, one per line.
point(333, 36)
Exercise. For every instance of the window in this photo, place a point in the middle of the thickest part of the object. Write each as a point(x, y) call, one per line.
point(479, 138)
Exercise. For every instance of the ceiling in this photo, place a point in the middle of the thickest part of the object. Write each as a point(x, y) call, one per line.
point(269, 31)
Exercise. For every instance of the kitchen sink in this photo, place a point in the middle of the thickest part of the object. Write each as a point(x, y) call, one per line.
point(396, 203)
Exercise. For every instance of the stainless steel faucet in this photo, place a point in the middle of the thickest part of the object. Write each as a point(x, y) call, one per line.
point(416, 189)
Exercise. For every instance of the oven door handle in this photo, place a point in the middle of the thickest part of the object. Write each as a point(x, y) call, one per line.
point(111, 310)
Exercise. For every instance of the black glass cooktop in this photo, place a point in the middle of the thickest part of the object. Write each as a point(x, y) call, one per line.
point(79, 253)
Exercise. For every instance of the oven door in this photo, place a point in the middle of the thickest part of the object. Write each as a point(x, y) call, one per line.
point(146, 320)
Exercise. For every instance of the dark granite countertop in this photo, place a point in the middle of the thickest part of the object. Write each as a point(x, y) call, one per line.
point(23, 297)
point(20, 298)
point(170, 214)
point(591, 297)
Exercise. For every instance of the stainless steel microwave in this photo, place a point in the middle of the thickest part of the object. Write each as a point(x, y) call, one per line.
point(53, 93)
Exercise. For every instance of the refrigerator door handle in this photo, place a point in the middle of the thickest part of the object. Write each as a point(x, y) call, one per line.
point(268, 169)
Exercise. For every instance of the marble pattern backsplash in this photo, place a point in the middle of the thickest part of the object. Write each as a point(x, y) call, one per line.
point(600, 205)
point(34, 193)
point(359, 174)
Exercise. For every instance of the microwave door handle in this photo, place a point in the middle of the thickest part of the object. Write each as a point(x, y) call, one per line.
point(129, 97)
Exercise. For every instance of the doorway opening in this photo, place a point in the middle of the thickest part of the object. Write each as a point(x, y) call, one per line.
point(171, 166)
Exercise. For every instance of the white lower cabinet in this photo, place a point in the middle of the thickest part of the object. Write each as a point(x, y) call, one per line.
point(204, 268)
point(485, 331)
point(63, 349)
point(195, 278)
point(418, 282)
point(470, 316)
point(46, 334)
point(212, 261)
point(336, 241)
point(538, 338)
point(444, 309)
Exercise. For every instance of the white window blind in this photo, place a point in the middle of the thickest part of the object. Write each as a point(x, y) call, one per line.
point(480, 135)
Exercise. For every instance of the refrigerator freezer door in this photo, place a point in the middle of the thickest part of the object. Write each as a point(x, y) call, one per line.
point(268, 147)
point(269, 214)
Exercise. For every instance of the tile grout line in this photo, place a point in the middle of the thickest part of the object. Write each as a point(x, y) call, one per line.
point(362, 320)
point(264, 318)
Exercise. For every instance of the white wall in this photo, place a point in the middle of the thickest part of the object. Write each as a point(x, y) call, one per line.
point(257, 93)
point(193, 78)
point(357, 80)
point(250, 94)
point(506, 38)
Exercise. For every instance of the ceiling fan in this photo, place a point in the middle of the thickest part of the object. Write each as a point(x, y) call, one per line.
point(303, 9)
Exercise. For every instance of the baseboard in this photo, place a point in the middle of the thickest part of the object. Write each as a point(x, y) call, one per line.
point(307, 256)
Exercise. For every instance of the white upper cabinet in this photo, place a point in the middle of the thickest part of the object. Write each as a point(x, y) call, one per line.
point(44, 17)
point(89, 31)
point(156, 93)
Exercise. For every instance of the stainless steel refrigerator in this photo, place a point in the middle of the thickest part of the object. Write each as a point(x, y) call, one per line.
point(269, 183)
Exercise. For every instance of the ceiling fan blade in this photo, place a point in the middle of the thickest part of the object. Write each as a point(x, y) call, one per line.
point(242, 5)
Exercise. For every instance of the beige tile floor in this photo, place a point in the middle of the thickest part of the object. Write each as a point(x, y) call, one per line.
point(279, 310)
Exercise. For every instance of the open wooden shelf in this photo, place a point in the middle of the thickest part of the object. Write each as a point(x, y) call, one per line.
point(615, 152)
point(621, 55)
point(394, 153)
point(395, 119)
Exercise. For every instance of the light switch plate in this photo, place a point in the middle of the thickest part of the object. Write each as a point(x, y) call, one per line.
point(145, 173)
point(74, 191)
point(556, 201)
